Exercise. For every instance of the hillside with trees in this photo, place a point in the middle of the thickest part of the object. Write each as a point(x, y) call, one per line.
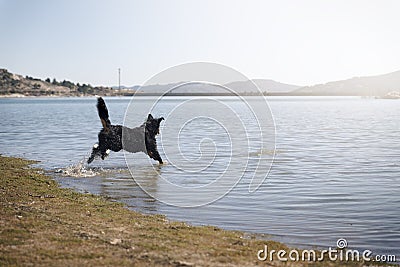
point(17, 85)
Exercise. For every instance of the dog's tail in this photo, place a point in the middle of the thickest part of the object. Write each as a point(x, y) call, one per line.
point(103, 113)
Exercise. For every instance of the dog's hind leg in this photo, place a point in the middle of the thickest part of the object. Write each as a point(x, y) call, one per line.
point(155, 155)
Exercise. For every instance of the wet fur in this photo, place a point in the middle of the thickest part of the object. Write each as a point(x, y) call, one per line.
point(118, 137)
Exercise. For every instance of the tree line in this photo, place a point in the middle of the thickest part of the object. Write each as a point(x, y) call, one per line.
point(82, 88)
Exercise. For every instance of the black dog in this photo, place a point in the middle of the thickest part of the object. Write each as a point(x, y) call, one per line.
point(117, 137)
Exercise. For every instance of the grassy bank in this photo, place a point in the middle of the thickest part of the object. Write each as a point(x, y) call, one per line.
point(42, 224)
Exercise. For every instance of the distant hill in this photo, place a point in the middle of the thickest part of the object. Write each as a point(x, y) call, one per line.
point(264, 85)
point(17, 85)
point(379, 85)
point(239, 87)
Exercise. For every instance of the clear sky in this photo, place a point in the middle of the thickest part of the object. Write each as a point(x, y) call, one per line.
point(298, 42)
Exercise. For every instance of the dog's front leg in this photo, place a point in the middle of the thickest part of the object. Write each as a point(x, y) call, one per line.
point(105, 153)
point(94, 154)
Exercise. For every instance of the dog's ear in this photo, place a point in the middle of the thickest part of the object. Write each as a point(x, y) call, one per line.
point(150, 117)
point(160, 119)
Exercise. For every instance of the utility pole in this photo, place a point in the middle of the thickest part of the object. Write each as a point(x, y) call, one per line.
point(119, 78)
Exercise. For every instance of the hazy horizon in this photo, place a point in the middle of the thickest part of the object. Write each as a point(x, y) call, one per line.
point(294, 42)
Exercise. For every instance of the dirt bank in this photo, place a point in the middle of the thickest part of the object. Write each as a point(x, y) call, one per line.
point(42, 224)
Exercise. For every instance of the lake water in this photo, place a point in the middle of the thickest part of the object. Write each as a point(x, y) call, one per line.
point(336, 172)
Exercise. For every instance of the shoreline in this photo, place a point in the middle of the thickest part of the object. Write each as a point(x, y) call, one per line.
point(20, 96)
point(44, 224)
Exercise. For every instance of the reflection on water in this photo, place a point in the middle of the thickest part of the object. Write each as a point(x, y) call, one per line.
point(335, 175)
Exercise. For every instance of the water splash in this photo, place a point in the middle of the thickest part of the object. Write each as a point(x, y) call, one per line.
point(79, 169)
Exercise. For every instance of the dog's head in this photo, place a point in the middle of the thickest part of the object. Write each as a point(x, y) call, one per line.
point(153, 124)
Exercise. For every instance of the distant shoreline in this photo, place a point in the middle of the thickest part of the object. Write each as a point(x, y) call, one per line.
point(379, 86)
point(178, 94)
